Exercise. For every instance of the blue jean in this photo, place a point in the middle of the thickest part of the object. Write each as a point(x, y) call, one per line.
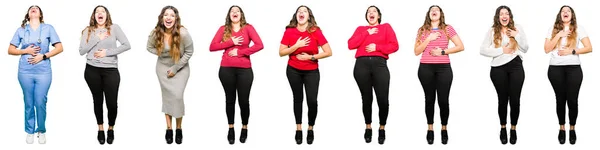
point(35, 90)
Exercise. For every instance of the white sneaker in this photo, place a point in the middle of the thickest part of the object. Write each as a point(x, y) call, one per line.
point(42, 138)
point(29, 139)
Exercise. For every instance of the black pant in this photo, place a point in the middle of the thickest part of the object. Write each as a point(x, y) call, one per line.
point(508, 80)
point(103, 82)
point(309, 80)
point(436, 78)
point(237, 80)
point(566, 81)
point(372, 73)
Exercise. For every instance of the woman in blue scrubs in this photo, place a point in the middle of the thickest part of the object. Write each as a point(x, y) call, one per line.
point(32, 43)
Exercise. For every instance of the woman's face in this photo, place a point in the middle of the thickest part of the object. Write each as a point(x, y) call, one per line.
point(373, 16)
point(169, 18)
point(434, 13)
point(566, 14)
point(34, 12)
point(504, 17)
point(235, 15)
point(100, 15)
point(302, 15)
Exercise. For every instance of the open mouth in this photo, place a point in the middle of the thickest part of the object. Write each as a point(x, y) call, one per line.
point(301, 17)
point(372, 17)
point(100, 17)
point(169, 22)
point(565, 16)
point(504, 20)
point(235, 16)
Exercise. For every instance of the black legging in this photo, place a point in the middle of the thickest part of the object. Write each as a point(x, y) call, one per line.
point(103, 82)
point(566, 81)
point(237, 80)
point(309, 80)
point(508, 80)
point(372, 73)
point(436, 78)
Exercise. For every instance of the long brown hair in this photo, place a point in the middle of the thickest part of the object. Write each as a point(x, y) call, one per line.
point(160, 30)
point(498, 27)
point(558, 26)
point(426, 27)
point(27, 16)
point(94, 23)
point(229, 23)
point(312, 23)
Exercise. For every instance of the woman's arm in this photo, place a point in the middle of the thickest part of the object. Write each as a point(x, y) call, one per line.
point(458, 46)
point(150, 45)
point(421, 45)
point(486, 49)
point(587, 46)
point(216, 44)
point(125, 45)
point(188, 50)
point(391, 44)
point(56, 43)
point(255, 38)
point(86, 46)
point(284, 50)
point(521, 39)
point(357, 39)
point(326, 52)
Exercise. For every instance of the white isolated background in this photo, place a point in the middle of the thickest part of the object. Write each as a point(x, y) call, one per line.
point(140, 124)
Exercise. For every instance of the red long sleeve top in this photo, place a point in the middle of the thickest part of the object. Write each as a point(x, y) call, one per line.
point(385, 41)
point(242, 60)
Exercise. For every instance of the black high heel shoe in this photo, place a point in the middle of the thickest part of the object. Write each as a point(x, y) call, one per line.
point(429, 137)
point(169, 136)
point(298, 137)
point(572, 137)
point(111, 136)
point(231, 136)
point(368, 135)
point(513, 137)
point(381, 137)
point(310, 137)
point(243, 135)
point(179, 136)
point(561, 136)
point(503, 136)
point(444, 137)
point(101, 138)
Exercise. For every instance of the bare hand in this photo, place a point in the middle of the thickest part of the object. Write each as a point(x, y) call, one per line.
point(506, 49)
point(233, 52)
point(31, 50)
point(565, 52)
point(100, 53)
point(563, 33)
point(170, 74)
point(372, 31)
point(102, 35)
point(237, 40)
point(511, 33)
point(35, 59)
point(303, 56)
point(302, 42)
point(371, 47)
point(436, 52)
point(433, 36)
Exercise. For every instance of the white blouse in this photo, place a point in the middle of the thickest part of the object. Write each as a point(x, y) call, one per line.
point(489, 49)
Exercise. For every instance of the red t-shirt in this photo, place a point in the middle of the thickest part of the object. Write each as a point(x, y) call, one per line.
point(291, 36)
point(385, 41)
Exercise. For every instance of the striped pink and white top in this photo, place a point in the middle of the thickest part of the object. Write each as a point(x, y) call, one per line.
point(441, 42)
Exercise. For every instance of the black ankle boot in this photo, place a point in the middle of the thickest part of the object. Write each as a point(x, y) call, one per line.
point(572, 137)
point(169, 136)
point(243, 135)
point(513, 137)
point(178, 136)
point(310, 137)
point(298, 137)
point(368, 135)
point(429, 137)
point(231, 136)
point(111, 136)
point(503, 136)
point(444, 137)
point(562, 136)
point(381, 138)
point(101, 138)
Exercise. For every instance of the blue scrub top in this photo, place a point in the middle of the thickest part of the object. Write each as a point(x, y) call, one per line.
point(43, 37)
